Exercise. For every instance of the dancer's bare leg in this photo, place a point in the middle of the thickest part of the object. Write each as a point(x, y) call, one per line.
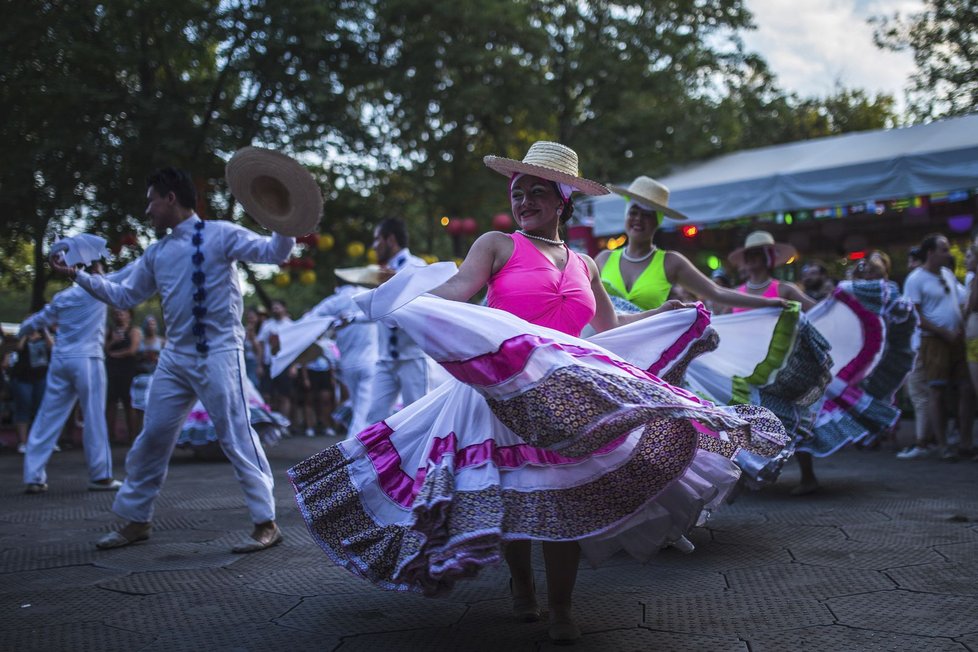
point(808, 481)
point(518, 558)
point(561, 558)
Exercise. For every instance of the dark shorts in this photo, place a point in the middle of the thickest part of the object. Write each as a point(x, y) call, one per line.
point(26, 396)
point(320, 381)
point(117, 388)
point(943, 362)
point(281, 385)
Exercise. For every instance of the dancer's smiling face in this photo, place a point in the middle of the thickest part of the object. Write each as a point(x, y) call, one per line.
point(535, 203)
point(640, 223)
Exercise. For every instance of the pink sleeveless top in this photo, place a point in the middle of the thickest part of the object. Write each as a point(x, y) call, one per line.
point(770, 292)
point(532, 288)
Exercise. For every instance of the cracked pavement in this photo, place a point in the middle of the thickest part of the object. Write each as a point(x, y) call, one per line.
point(883, 557)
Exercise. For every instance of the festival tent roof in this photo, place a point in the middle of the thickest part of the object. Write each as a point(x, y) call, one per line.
point(848, 169)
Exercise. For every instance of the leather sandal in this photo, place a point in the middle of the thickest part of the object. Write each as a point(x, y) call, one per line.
point(563, 630)
point(262, 538)
point(525, 608)
point(131, 533)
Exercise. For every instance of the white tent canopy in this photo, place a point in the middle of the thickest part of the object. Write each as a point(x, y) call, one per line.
point(848, 169)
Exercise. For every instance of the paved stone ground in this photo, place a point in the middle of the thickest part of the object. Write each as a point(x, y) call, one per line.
point(885, 557)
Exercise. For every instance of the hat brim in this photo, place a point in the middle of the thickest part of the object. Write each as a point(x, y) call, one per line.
point(782, 253)
point(370, 276)
point(645, 201)
point(508, 167)
point(275, 190)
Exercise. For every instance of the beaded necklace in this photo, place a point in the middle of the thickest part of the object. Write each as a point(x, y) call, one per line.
point(556, 243)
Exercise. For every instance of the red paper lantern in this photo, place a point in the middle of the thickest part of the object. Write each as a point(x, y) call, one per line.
point(470, 226)
point(502, 222)
point(455, 227)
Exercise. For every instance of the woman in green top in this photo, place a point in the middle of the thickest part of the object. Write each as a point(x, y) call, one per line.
point(643, 274)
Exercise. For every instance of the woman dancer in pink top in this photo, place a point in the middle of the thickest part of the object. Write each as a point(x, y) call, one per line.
point(534, 275)
point(540, 434)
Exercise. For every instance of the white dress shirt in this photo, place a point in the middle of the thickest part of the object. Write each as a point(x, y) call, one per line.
point(391, 340)
point(167, 268)
point(80, 319)
point(357, 340)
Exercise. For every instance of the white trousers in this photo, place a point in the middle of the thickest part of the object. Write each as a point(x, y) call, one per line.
point(179, 380)
point(409, 378)
point(359, 382)
point(68, 380)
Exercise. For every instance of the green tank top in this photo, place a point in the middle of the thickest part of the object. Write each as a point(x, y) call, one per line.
point(651, 288)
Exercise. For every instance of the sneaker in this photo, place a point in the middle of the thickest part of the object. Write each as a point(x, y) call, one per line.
point(914, 453)
point(109, 484)
point(36, 488)
point(21, 448)
point(57, 449)
point(328, 431)
point(949, 454)
point(310, 432)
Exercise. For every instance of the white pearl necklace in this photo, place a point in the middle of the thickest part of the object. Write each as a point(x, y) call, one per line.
point(637, 259)
point(556, 243)
point(758, 286)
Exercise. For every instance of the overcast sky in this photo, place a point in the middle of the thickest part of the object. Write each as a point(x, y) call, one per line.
point(812, 44)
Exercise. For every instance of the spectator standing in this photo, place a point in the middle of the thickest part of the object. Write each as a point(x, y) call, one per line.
point(916, 387)
point(121, 351)
point(935, 292)
point(815, 280)
point(252, 349)
point(146, 358)
point(281, 389)
point(28, 373)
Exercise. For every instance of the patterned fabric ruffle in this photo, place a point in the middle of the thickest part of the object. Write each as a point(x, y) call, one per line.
point(868, 369)
point(771, 357)
point(540, 436)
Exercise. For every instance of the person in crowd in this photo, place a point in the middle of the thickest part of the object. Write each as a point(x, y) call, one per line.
point(971, 321)
point(721, 278)
point(402, 367)
point(28, 373)
point(916, 388)
point(121, 358)
point(815, 280)
point(193, 270)
point(645, 275)
point(317, 391)
point(253, 350)
point(77, 372)
point(147, 357)
point(281, 388)
point(936, 293)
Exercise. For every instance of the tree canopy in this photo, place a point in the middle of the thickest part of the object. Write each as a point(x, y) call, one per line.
point(391, 104)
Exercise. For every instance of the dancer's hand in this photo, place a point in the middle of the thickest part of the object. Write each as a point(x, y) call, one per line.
point(674, 304)
point(57, 262)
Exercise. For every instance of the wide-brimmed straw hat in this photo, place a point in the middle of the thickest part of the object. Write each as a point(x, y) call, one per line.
point(275, 190)
point(762, 239)
point(369, 276)
point(649, 192)
point(550, 161)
